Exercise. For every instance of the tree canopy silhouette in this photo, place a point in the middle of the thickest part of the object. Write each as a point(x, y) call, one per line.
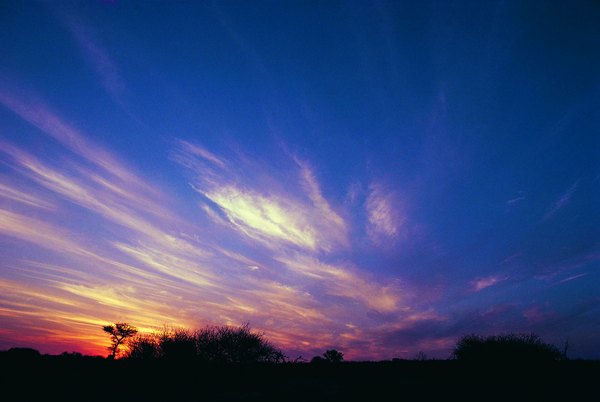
point(333, 356)
point(329, 356)
point(213, 344)
point(505, 348)
point(119, 333)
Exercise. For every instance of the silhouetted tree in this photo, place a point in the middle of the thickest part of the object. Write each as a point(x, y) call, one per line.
point(333, 356)
point(118, 335)
point(505, 348)
point(215, 344)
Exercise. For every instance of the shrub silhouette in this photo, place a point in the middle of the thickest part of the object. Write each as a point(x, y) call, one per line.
point(505, 348)
point(318, 360)
point(143, 347)
point(214, 344)
point(24, 354)
point(236, 345)
point(178, 344)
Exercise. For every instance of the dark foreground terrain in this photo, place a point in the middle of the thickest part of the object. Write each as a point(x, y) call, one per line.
point(82, 378)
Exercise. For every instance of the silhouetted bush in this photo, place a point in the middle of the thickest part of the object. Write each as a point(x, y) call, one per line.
point(235, 345)
point(144, 347)
point(22, 354)
point(505, 348)
point(178, 344)
point(215, 344)
point(318, 360)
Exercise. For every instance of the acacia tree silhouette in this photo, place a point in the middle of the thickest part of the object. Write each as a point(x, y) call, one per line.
point(118, 335)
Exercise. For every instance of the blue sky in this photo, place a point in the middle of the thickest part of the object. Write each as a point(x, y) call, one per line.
point(381, 178)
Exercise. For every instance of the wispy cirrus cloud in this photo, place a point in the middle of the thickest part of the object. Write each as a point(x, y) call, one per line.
point(36, 231)
point(98, 57)
point(262, 211)
point(346, 282)
point(112, 202)
point(338, 228)
point(483, 283)
point(9, 192)
point(34, 111)
point(383, 213)
point(199, 151)
point(515, 200)
point(573, 277)
point(561, 202)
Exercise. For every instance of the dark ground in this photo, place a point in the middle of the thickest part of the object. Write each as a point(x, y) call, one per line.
point(81, 378)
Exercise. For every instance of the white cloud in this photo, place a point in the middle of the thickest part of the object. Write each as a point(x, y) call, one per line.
point(264, 218)
point(270, 208)
point(383, 213)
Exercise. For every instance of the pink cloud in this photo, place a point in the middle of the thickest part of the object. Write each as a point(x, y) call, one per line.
point(483, 283)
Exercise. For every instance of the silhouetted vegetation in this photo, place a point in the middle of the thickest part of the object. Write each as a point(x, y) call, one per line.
point(214, 344)
point(22, 353)
point(421, 356)
point(333, 356)
point(318, 360)
point(119, 333)
point(329, 356)
point(175, 365)
point(144, 347)
point(506, 348)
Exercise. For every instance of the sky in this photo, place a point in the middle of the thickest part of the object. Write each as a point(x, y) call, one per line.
point(381, 178)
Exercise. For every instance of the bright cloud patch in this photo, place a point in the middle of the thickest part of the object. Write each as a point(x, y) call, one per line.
point(384, 220)
point(264, 218)
point(482, 283)
point(271, 209)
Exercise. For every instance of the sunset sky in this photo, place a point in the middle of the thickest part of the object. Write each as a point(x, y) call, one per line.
point(376, 177)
